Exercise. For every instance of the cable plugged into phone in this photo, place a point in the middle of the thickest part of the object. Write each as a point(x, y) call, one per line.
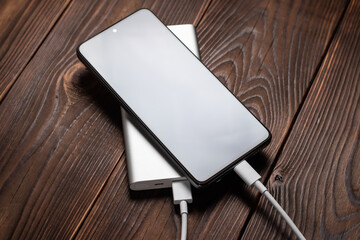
point(252, 178)
point(182, 196)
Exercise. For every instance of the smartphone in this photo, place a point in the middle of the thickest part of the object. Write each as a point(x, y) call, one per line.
point(141, 155)
point(182, 107)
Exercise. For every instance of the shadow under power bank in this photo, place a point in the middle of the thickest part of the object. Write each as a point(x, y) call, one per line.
point(147, 168)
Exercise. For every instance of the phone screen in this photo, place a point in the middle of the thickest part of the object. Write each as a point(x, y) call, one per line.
point(201, 125)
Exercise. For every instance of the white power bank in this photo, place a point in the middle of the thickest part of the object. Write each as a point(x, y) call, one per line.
point(147, 168)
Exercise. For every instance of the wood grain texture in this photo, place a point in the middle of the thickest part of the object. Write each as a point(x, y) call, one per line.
point(266, 53)
point(316, 179)
point(61, 133)
point(24, 25)
point(123, 214)
point(244, 44)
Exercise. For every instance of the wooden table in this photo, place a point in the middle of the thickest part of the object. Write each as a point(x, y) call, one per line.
point(295, 64)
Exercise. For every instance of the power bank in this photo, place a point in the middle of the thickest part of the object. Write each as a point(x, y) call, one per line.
point(187, 113)
point(147, 168)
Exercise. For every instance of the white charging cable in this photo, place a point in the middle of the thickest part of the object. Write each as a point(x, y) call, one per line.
point(182, 196)
point(251, 178)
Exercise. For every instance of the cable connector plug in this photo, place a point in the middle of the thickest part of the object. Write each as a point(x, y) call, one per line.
point(247, 173)
point(181, 192)
point(182, 195)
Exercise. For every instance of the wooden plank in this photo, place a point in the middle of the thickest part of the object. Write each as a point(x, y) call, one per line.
point(266, 52)
point(316, 178)
point(60, 130)
point(123, 214)
point(24, 25)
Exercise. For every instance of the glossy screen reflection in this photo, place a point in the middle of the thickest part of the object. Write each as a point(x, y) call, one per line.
point(183, 104)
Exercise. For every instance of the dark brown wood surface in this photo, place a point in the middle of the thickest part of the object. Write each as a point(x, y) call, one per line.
point(24, 25)
point(226, 55)
point(62, 162)
point(316, 178)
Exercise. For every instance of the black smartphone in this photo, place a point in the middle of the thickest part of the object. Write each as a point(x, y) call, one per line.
point(197, 122)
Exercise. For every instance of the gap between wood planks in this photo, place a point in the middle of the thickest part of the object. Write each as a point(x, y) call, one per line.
point(292, 123)
point(202, 11)
point(90, 207)
point(8, 88)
